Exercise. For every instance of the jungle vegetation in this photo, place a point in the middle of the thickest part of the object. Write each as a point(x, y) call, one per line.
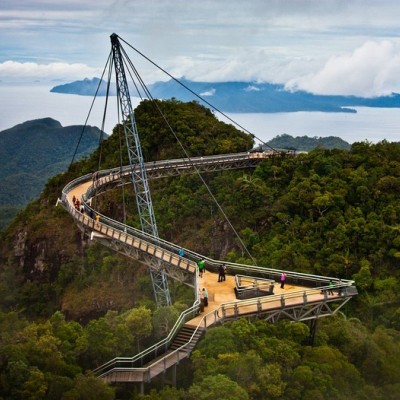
point(69, 305)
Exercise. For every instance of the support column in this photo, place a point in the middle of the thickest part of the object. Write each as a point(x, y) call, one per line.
point(313, 331)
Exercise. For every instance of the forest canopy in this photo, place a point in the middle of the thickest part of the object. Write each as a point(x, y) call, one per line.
point(69, 305)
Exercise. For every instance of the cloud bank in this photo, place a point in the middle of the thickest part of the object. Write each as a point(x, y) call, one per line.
point(321, 46)
point(12, 71)
point(370, 70)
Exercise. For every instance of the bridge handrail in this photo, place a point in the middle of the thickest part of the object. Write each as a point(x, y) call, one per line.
point(343, 288)
point(172, 163)
point(70, 185)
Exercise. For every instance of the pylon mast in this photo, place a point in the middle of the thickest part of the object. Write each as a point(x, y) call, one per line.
point(138, 171)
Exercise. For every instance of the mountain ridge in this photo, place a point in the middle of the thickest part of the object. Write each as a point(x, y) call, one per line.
point(34, 151)
point(246, 97)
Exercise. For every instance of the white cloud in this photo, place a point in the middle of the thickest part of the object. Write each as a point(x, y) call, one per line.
point(291, 41)
point(23, 71)
point(252, 88)
point(370, 70)
point(210, 92)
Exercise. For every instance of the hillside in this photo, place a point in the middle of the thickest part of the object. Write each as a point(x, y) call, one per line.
point(305, 143)
point(34, 151)
point(68, 304)
point(242, 97)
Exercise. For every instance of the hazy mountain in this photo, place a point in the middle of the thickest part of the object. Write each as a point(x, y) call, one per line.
point(87, 87)
point(248, 97)
point(34, 151)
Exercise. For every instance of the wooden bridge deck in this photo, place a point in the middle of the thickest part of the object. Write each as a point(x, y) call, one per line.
point(223, 292)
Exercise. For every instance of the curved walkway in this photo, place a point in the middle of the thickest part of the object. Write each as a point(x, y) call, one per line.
point(304, 296)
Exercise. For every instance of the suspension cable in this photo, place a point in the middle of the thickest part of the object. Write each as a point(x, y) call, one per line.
point(109, 63)
point(197, 95)
point(90, 110)
point(146, 90)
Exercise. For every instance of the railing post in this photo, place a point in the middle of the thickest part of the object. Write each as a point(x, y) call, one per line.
point(282, 301)
point(259, 306)
point(305, 298)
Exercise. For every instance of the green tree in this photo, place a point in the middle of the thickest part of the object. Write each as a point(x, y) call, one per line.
point(139, 322)
point(218, 387)
point(363, 278)
point(164, 319)
point(218, 340)
point(89, 388)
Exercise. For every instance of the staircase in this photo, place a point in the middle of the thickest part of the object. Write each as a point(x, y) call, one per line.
point(184, 335)
point(160, 364)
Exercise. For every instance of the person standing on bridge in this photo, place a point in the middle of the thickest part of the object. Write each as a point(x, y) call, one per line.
point(331, 286)
point(221, 273)
point(201, 298)
point(283, 280)
point(201, 264)
point(205, 297)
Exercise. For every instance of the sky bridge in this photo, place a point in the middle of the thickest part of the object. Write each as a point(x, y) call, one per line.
point(249, 291)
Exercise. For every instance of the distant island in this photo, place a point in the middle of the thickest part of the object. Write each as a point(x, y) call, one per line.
point(306, 143)
point(239, 97)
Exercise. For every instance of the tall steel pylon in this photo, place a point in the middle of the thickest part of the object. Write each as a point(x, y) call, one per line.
point(138, 171)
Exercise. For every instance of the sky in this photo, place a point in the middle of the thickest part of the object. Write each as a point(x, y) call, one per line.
point(348, 47)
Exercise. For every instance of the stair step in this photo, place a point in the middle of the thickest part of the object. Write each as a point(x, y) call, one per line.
point(183, 337)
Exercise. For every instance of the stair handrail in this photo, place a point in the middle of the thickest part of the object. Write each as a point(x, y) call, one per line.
point(182, 348)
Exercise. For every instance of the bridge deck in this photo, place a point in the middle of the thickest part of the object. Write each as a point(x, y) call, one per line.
point(223, 292)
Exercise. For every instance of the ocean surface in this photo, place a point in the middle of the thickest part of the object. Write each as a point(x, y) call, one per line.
point(22, 102)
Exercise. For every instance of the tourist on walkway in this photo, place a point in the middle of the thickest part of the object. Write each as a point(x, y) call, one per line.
point(283, 280)
point(205, 297)
point(331, 285)
point(201, 297)
point(221, 273)
point(201, 265)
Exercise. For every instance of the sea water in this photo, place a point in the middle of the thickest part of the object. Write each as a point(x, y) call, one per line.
point(24, 102)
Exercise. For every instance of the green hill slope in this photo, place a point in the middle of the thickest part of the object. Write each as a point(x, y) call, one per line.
point(33, 152)
point(305, 143)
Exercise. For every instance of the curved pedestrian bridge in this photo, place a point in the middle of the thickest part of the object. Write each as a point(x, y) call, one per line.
point(304, 297)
